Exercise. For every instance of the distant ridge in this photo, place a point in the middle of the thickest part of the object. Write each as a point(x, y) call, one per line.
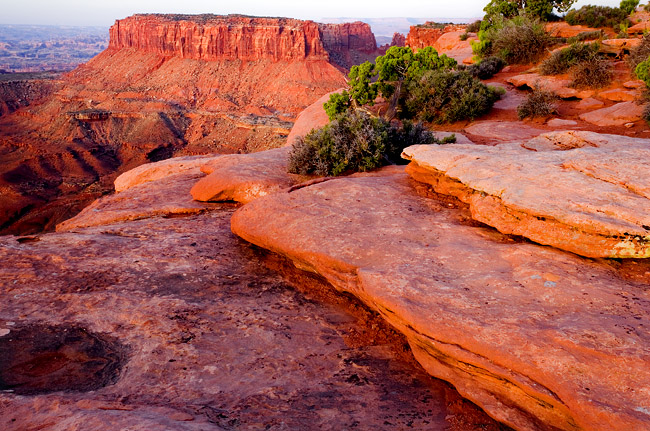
point(387, 26)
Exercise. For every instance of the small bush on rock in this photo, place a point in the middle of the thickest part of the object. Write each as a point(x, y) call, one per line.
point(640, 53)
point(561, 61)
point(592, 73)
point(487, 67)
point(642, 71)
point(597, 16)
point(520, 40)
point(446, 97)
point(354, 142)
point(539, 103)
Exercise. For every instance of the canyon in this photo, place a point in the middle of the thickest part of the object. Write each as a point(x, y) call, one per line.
point(166, 85)
point(213, 289)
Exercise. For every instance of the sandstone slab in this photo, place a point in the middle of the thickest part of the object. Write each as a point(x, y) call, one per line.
point(157, 170)
point(165, 197)
point(541, 339)
point(564, 29)
point(598, 205)
point(615, 115)
point(244, 177)
point(207, 339)
point(590, 103)
point(619, 95)
point(503, 131)
point(560, 123)
point(558, 85)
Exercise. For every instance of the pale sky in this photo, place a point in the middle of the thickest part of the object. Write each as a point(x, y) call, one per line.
point(104, 13)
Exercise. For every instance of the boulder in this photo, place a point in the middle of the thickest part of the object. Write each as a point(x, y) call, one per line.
point(244, 177)
point(540, 338)
point(598, 205)
point(155, 171)
point(634, 84)
point(564, 29)
point(615, 115)
point(556, 84)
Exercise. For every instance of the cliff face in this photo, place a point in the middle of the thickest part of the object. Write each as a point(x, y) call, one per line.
point(235, 37)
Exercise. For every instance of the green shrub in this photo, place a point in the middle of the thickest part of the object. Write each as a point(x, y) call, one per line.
point(464, 36)
point(596, 16)
point(594, 72)
point(642, 71)
point(446, 97)
point(473, 27)
point(337, 104)
point(628, 6)
point(354, 142)
point(521, 40)
point(487, 68)
point(539, 103)
point(561, 61)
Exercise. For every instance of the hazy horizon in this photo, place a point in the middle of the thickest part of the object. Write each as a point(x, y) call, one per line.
point(85, 14)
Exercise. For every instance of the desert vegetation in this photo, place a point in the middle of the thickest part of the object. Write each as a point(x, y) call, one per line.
point(422, 86)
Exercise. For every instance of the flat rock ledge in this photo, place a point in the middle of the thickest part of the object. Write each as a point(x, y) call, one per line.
point(583, 192)
point(540, 338)
point(245, 177)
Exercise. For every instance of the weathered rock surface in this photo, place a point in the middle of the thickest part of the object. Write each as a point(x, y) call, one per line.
point(560, 123)
point(158, 170)
point(166, 197)
point(538, 337)
point(615, 115)
point(503, 131)
point(204, 337)
point(598, 205)
point(590, 103)
point(619, 95)
point(558, 85)
point(245, 177)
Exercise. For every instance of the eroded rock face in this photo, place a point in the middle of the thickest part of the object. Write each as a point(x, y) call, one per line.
point(421, 36)
point(558, 85)
point(598, 204)
point(538, 337)
point(313, 117)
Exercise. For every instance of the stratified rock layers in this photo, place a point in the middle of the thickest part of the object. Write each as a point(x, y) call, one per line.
point(579, 191)
point(538, 337)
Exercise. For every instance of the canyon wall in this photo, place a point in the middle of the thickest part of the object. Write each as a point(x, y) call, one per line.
point(167, 85)
point(236, 37)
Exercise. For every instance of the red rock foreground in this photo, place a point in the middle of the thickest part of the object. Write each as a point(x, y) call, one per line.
point(584, 192)
point(174, 324)
point(540, 338)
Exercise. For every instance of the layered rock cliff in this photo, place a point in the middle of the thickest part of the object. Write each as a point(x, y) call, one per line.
point(237, 37)
point(424, 35)
point(167, 85)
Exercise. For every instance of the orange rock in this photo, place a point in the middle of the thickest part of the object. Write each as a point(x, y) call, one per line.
point(619, 95)
point(244, 177)
point(538, 337)
point(564, 29)
point(590, 103)
point(558, 85)
point(313, 117)
point(158, 170)
point(615, 115)
point(598, 205)
point(503, 131)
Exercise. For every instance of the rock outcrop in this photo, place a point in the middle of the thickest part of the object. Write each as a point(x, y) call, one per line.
point(598, 205)
point(540, 338)
point(615, 115)
point(421, 36)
